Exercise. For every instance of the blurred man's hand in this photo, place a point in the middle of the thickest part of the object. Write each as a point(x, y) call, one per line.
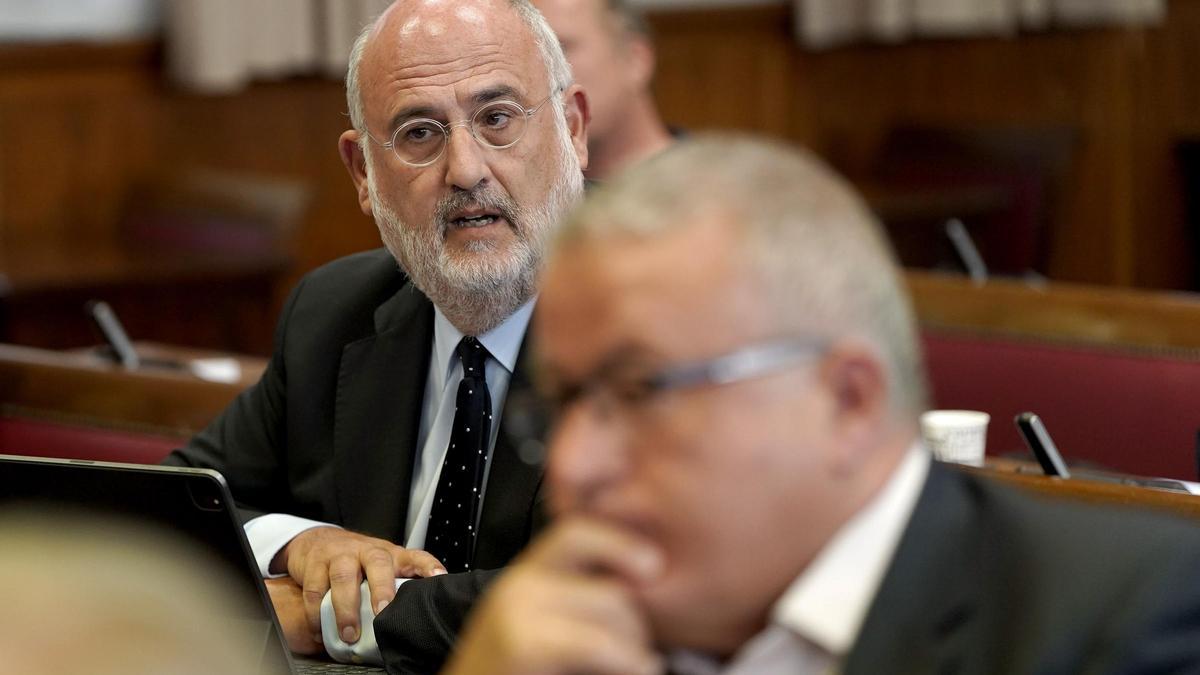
point(566, 606)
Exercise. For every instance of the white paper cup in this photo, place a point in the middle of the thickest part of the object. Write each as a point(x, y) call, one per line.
point(956, 435)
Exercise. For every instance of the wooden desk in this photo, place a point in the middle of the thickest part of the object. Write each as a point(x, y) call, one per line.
point(1061, 312)
point(1027, 476)
point(85, 389)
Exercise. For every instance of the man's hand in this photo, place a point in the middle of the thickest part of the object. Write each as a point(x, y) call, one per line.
point(328, 558)
point(288, 600)
point(565, 606)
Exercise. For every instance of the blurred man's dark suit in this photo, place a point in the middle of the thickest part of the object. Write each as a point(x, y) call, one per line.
point(990, 580)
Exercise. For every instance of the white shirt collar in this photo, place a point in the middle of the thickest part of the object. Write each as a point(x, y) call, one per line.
point(503, 342)
point(828, 602)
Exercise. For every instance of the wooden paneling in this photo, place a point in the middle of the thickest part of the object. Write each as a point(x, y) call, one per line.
point(79, 126)
point(287, 129)
point(1058, 312)
point(1130, 93)
point(727, 69)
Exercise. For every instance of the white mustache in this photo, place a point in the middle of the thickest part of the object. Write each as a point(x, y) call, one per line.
point(476, 199)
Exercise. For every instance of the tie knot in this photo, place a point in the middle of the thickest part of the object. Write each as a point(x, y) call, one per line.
point(473, 355)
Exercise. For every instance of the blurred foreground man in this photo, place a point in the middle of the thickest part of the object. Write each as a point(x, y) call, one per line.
point(612, 57)
point(737, 476)
point(383, 408)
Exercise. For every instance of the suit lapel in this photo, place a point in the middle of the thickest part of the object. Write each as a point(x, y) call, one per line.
point(927, 614)
point(380, 389)
point(509, 514)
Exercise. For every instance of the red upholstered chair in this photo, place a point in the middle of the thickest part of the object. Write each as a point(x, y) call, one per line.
point(1129, 409)
point(41, 438)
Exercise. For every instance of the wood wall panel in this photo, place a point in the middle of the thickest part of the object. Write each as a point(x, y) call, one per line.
point(1130, 93)
point(287, 129)
point(726, 70)
point(72, 138)
point(79, 126)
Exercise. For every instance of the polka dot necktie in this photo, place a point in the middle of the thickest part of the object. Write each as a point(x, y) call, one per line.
point(450, 536)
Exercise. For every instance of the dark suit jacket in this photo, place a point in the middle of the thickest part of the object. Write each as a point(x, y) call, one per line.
point(330, 433)
point(990, 580)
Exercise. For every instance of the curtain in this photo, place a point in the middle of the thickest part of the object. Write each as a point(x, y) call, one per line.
point(827, 23)
point(218, 46)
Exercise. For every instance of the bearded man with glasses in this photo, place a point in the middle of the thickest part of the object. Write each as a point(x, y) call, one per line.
point(379, 428)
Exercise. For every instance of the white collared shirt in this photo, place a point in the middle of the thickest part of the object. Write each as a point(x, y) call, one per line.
point(816, 621)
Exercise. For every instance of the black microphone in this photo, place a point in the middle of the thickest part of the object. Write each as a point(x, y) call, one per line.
point(1038, 439)
point(967, 252)
point(114, 333)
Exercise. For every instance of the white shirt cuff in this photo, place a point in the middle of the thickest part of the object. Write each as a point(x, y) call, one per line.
point(268, 535)
point(366, 650)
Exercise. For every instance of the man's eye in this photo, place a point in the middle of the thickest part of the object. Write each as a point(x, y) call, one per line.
point(421, 133)
point(629, 391)
point(497, 118)
point(563, 397)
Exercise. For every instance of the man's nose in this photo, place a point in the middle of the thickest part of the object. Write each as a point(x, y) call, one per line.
point(466, 163)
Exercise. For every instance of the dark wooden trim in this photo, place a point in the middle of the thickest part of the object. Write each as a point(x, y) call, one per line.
point(20, 58)
point(776, 17)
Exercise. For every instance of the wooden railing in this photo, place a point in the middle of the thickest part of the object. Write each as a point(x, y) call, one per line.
point(1073, 313)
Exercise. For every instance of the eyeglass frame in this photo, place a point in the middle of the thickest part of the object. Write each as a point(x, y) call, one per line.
point(446, 129)
point(532, 417)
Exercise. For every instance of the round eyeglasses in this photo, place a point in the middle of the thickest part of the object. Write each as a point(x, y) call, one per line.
point(497, 125)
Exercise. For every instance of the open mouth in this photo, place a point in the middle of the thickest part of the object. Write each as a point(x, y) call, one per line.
point(473, 221)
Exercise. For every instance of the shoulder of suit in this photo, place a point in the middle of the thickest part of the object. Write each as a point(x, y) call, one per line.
point(1089, 528)
point(342, 296)
point(368, 269)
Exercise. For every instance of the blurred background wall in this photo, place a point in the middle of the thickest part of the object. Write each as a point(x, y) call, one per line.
point(1064, 142)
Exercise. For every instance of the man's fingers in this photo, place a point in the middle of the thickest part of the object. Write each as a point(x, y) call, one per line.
point(316, 583)
point(606, 654)
point(381, 577)
point(563, 646)
point(587, 546)
point(416, 563)
point(345, 576)
point(603, 602)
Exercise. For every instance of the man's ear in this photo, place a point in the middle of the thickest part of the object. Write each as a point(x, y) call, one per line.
point(356, 164)
point(579, 117)
point(642, 61)
point(856, 380)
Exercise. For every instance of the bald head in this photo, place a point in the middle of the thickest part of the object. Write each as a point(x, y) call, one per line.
point(407, 21)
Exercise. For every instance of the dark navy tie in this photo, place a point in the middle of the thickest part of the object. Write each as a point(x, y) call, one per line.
point(450, 536)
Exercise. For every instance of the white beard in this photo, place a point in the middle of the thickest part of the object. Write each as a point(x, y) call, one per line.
point(481, 287)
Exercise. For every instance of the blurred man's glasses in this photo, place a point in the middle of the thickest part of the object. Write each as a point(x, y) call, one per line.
point(497, 125)
point(530, 416)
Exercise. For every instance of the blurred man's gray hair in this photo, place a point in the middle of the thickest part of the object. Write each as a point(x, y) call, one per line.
point(631, 19)
point(823, 258)
point(557, 68)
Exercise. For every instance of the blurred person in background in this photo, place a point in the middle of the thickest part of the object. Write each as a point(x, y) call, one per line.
point(612, 56)
point(736, 473)
point(106, 597)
